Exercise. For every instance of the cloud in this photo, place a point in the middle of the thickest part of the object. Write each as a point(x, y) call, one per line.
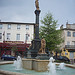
point(23, 10)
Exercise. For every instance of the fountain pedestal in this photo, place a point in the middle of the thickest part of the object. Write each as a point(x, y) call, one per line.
point(34, 64)
point(42, 57)
point(32, 53)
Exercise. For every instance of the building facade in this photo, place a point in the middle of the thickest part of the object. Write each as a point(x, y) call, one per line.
point(68, 47)
point(15, 33)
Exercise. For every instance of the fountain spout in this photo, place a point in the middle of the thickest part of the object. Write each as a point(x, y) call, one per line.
point(18, 63)
point(51, 67)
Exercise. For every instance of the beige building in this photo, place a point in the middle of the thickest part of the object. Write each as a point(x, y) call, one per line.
point(68, 46)
point(15, 31)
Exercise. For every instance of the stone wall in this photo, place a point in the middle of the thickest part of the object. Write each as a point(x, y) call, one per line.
point(27, 63)
point(40, 65)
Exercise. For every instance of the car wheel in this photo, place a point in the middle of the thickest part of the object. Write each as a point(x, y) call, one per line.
point(2, 58)
point(13, 59)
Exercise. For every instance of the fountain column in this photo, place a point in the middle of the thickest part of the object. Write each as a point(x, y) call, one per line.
point(36, 42)
point(37, 12)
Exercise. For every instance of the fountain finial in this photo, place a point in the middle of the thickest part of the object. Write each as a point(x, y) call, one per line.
point(37, 5)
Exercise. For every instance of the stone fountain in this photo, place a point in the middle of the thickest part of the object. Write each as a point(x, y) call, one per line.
point(36, 55)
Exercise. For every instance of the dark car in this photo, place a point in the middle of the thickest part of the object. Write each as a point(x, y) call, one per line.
point(8, 57)
point(61, 58)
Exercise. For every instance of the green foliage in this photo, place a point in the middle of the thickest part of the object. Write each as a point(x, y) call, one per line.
point(59, 61)
point(14, 49)
point(50, 33)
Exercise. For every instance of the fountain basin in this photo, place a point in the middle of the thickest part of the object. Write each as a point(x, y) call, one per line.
point(39, 65)
point(9, 67)
point(10, 73)
point(33, 65)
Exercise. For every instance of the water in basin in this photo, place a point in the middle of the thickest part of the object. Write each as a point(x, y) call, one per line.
point(10, 67)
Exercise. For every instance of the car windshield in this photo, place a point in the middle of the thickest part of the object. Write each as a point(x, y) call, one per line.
point(9, 55)
point(61, 57)
point(5, 55)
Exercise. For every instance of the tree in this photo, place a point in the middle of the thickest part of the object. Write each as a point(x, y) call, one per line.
point(50, 33)
point(13, 50)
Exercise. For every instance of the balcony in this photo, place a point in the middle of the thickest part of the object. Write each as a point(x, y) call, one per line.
point(70, 46)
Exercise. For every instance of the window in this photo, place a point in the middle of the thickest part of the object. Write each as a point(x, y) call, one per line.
point(73, 43)
point(27, 37)
point(18, 37)
point(73, 34)
point(68, 33)
point(0, 26)
point(0, 35)
point(8, 36)
point(9, 26)
point(68, 43)
point(27, 27)
point(18, 26)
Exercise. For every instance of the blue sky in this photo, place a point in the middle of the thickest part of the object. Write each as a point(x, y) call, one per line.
point(23, 10)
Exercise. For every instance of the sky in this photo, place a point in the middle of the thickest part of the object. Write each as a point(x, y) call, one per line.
point(23, 10)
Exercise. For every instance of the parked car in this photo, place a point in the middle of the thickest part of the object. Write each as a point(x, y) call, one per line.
point(61, 58)
point(8, 57)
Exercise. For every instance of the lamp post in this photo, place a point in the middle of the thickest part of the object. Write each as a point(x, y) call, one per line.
point(4, 37)
point(4, 42)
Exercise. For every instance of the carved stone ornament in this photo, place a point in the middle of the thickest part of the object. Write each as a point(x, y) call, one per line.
point(43, 46)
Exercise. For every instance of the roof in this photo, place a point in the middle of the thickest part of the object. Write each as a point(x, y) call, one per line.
point(71, 24)
point(17, 23)
point(68, 29)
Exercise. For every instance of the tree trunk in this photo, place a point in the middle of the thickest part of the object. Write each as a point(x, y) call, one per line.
point(12, 53)
point(56, 54)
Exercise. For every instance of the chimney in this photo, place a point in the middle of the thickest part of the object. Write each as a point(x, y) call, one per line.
point(61, 27)
point(66, 22)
